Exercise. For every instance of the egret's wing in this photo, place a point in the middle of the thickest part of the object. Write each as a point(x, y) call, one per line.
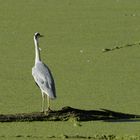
point(44, 79)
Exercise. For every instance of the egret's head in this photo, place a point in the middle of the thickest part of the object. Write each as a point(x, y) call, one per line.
point(36, 39)
point(37, 35)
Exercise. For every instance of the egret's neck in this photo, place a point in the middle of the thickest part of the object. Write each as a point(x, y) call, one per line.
point(37, 52)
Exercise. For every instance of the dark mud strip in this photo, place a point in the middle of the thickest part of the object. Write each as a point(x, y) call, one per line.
point(96, 137)
point(67, 113)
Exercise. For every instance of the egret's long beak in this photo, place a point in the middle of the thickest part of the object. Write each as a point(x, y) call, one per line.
point(41, 35)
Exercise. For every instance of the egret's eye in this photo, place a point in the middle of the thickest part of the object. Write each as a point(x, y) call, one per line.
point(37, 34)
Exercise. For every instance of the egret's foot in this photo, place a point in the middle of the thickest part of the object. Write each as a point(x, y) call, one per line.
point(48, 110)
point(42, 111)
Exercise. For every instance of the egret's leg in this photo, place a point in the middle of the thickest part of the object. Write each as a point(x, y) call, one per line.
point(43, 100)
point(48, 103)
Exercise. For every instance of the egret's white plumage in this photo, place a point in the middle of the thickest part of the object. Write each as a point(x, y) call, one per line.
point(42, 75)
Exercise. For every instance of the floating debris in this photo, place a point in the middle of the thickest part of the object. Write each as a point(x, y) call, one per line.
point(81, 51)
point(119, 47)
point(130, 15)
point(106, 50)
